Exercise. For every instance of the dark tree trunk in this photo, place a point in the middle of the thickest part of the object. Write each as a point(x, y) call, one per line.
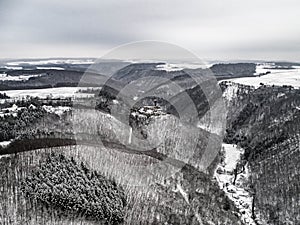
point(253, 206)
point(235, 175)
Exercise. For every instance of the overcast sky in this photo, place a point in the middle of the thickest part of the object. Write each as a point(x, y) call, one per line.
point(213, 29)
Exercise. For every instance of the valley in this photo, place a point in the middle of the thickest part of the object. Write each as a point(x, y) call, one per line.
point(121, 145)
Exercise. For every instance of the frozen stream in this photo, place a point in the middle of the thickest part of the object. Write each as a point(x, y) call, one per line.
point(238, 193)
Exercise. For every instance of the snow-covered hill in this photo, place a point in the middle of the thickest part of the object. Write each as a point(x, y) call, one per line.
point(59, 92)
point(268, 74)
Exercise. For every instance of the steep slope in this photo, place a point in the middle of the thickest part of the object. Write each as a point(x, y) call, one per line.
point(265, 121)
point(181, 199)
point(186, 195)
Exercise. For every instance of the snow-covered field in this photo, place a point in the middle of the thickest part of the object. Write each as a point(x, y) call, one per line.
point(51, 61)
point(6, 77)
point(13, 67)
point(60, 92)
point(49, 68)
point(237, 193)
point(276, 77)
point(38, 67)
point(174, 66)
point(170, 67)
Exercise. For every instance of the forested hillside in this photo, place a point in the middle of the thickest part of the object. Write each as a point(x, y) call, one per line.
point(121, 157)
point(265, 122)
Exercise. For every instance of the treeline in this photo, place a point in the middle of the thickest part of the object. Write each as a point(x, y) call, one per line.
point(13, 126)
point(234, 69)
point(33, 121)
point(4, 96)
point(36, 101)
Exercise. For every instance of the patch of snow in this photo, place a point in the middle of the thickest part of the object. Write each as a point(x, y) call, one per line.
point(115, 101)
point(263, 68)
point(13, 67)
point(232, 156)
point(32, 106)
point(203, 126)
point(4, 144)
point(149, 111)
point(57, 110)
point(52, 61)
point(130, 135)
point(134, 114)
point(237, 193)
point(2, 114)
point(183, 193)
point(60, 92)
point(278, 77)
point(49, 68)
point(14, 108)
point(170, 67)
point(6, 77)
point(133, 61)
point(230, 92)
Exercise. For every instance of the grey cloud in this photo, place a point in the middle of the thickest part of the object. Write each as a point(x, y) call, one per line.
point(213, 28)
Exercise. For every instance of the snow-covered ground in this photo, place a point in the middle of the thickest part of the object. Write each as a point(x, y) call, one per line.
point(263, 68)
point(49, 68)
point(60, 92)
point(237, 193)
point(13, 67)
point(232, 156)
point(40, 64)
point(14, 108)
point(13, 111)
point(174, 66)
point(170, 67)
point(59, 110)
point(230, 92)
point(51, 61)
point(38, 67)
point(4, 143)
point(276, 77)
point(6, 77)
